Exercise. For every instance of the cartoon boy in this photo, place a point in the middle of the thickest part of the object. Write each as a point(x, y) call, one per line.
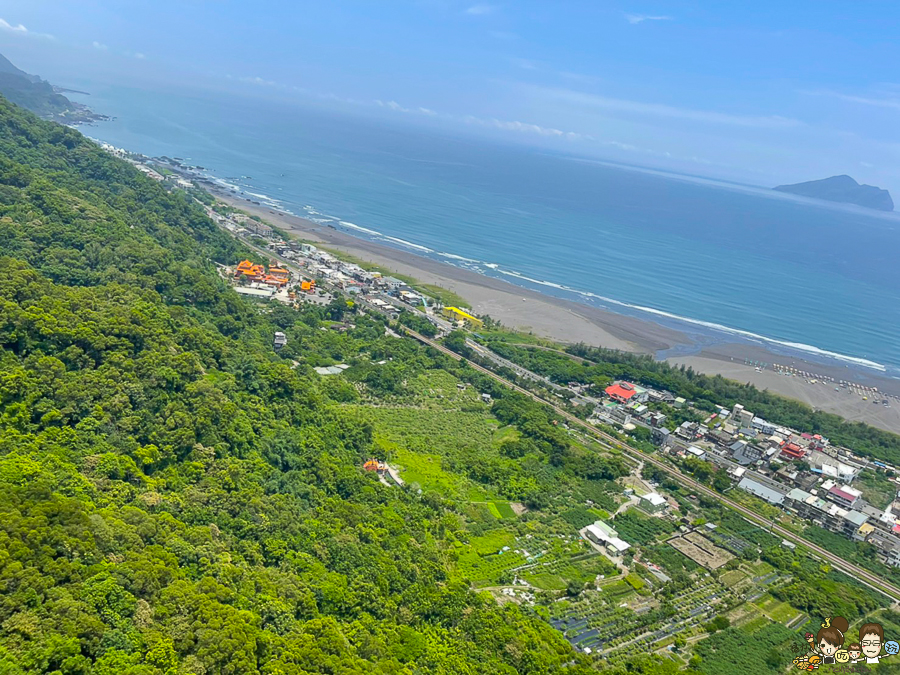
point(871, 637)
point(855, 652)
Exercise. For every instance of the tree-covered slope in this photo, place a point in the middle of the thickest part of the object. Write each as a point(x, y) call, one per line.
point(38, 96)
point(174, 496)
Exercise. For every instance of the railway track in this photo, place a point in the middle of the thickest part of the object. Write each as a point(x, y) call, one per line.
point(860, 574)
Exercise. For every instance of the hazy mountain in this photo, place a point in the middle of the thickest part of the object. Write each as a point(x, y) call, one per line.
point(843, 189)
point(40, 97)
point(6, 66)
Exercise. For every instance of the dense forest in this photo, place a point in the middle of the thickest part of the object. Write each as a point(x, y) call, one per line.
point(179, 498)
point(176, 497)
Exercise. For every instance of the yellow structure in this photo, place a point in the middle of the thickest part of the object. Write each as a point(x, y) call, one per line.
point(456, 314)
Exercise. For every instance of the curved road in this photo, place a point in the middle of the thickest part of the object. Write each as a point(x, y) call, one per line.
point(859, 573)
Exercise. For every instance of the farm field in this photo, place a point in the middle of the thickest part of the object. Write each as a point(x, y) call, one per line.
point(780, 612)
point(444, 439)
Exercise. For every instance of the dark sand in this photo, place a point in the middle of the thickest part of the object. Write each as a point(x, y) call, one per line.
point(571, 322)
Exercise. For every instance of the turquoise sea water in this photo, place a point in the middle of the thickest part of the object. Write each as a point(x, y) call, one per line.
point(721, 261)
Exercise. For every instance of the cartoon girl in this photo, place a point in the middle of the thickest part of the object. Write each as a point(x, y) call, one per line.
point(830, 637)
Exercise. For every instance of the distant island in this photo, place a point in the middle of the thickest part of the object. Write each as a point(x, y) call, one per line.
point(40, 97)
point(843, 189)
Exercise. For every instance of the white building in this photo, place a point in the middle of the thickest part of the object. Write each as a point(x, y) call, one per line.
point(601, 533)
point(653, 502)
point(697, 452)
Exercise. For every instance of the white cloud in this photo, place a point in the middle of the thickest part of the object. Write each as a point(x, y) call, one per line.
point(393, 105)
point(522, 127)
point(139, 55)
point(258, 80)
point(396, 107)
point(16, 29)
point(663, 110)
point(480, 10)
point(516, 126)
point(640, 18)
point(99, 45)
point(19, 29)
point(862, 100)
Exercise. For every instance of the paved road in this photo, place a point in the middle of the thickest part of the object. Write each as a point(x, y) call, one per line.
point(859, 573)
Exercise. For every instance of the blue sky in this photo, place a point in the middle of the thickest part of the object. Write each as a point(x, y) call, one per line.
point(765, 92)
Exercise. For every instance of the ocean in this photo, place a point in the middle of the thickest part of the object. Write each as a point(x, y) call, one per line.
point(720, 261)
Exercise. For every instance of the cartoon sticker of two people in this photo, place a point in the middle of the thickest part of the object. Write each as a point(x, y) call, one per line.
point(829, 644)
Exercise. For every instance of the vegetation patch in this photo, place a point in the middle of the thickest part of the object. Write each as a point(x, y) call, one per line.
point(504, 509)
point(492, 542)
point(634, 581)
point(636, 528)
point(488, 570)
point(736, 651)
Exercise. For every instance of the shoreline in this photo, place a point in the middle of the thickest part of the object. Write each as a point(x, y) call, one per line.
point(557, 319)
point(569, 322)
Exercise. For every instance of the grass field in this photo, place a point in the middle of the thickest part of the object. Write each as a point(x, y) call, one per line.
point(732, 578)
point(503, 434)
point(443, 295)
point(635, 581)
point(876, 488)
point(438, 388)
point(412, 437)
point(487, 570)
point(555, 577)
point(761, 569)
point(492, 542)
point(546, 581)
point(426, 472)
point(513, 337)
point(780, 612)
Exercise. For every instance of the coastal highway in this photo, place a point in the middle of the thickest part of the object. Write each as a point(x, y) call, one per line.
point(860, 574)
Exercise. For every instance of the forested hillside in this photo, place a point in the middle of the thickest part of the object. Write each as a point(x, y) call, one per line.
point(175, 497)
point(38, 96)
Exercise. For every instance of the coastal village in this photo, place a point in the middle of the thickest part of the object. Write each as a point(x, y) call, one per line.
point(793, 470)
point(797, 471)
point(625, 549)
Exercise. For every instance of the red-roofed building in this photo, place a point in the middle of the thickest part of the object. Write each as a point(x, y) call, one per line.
point(844, 495)
point(621, 392)
point(792, 451)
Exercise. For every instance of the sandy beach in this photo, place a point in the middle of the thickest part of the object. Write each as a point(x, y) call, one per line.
point(728, 361)
point(571, 322)
point(515, 307)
